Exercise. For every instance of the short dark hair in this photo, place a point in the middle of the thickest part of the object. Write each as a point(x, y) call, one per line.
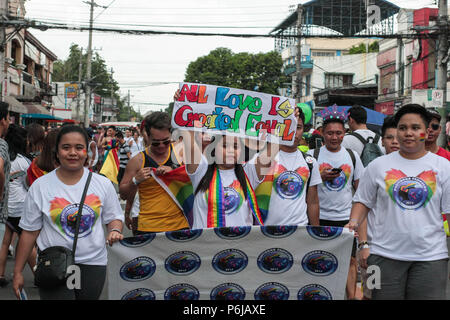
point(158, 120)
point(434, 115)
point(16, 137)
point(358, 113)
point(332, 120)
point(301, 115)
point(119, 134)
point(112, 127)
point(388, 123)
point(413, 108)
point(4, 110)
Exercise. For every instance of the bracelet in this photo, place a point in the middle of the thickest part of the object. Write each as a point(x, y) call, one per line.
point(135, 181)
point(116, 230)
point(363, 243)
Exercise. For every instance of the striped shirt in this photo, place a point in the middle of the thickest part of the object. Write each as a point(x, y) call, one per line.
point(124, 149)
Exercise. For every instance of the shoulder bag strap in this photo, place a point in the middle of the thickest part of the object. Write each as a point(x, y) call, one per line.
point(360, 137)
point(80, 209)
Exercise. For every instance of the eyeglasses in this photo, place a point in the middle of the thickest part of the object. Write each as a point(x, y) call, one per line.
point(435, 126)
point(158, 143)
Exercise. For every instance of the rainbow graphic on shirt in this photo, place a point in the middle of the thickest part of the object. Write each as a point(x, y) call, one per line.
point(410, 193)
point(288, 185)
point(339, 182)
point(179, 187)
point(63, 214)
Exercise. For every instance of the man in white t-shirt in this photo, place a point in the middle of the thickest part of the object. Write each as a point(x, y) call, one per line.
point(407, 191)
point(340, 170)
point(357, 118)
point(288, 196)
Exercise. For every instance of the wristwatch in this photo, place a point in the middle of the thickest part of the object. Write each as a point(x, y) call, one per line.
point(363, 245)
point(135, 181)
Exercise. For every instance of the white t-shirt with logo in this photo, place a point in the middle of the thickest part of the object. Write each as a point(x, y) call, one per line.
point(288, 198)
point(17, 188)
point(51, 206)
point(353, 143)
point(335, 197)
point(407, 198)
point(237, 211)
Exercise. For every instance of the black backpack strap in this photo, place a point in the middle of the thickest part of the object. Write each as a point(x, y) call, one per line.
point(352, 155)
point(376, 139)
point(310, 167)
point(316, 153)
point(360, 137)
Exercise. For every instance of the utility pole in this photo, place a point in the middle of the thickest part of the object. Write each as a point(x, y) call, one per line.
point(298, 87)
point(88, 71)
point(442, 62)
point(3, 17)
point(80, 70)
point(129, 107)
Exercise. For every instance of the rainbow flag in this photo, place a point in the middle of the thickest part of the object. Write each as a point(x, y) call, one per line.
point(110, 167)
point(179, 187)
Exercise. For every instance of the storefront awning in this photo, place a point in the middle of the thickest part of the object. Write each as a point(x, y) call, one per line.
point(15, 105)
point(36, 108)
point(40, 116)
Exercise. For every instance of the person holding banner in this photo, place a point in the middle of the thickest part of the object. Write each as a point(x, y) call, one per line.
point(407, 191)
point(294, 176)
point(158, 210)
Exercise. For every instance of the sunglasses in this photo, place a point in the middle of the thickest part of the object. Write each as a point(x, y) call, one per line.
point(434, 126)
point(158, 143)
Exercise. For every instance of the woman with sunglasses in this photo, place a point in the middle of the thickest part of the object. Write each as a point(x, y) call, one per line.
point(158, 212)
point(49, 209)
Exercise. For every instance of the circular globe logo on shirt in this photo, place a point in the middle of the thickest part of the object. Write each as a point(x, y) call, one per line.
point(228, 292)
point(337, 184)
point(289, 185)
point(232, 200)
point(68, 220)
point(410, 193)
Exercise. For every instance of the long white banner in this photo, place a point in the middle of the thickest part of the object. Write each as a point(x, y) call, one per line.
point(240, 263)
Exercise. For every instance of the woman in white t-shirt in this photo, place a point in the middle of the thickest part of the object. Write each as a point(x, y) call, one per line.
point(407, 191)
point(48, 218)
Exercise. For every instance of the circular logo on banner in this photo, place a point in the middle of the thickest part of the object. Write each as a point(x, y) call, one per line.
point(324, 233)
point(275, 260)
point(232, 200)
point(183, 263)
point(183, 235)
point(69, 216)
point(138, 241)
point(181, 291)
point(228, 291)
point(230, 261)
point(314, 292)
point(338, 183)
point(289, 185)
point(319, 263)
point(138, 269)
point(278, 231)
point(272, 291)
point(232, 233)
point(410, 193)
point(139, 294)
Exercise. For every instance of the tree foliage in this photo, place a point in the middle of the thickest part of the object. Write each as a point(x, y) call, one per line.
point(361, 48)
point(257, 72)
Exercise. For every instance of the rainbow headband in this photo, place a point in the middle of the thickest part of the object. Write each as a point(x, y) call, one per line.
point(216, 207)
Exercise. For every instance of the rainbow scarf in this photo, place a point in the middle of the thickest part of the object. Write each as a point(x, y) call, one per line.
point(110, 167)
point(34, 172)
point(178, 186)
point(216, 207)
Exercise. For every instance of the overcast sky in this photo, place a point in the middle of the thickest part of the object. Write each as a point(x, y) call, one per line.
point(140, 61)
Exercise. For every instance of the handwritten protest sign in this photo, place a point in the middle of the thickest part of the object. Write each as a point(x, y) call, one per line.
point(230, 111)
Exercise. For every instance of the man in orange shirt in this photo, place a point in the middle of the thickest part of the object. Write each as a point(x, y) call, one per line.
point(158, 212)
